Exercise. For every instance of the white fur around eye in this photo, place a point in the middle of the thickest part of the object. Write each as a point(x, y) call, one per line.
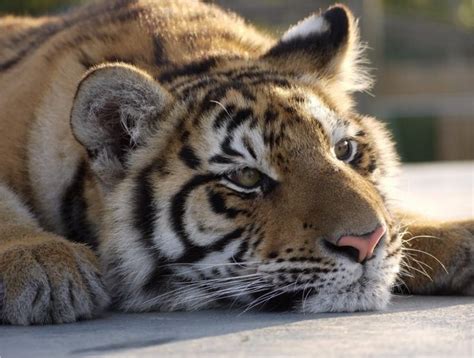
point(239, 189)
point(310, 25)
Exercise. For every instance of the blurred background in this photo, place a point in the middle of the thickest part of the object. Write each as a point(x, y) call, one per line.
point(422, 55)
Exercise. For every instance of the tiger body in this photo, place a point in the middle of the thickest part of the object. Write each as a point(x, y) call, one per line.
point(129, 129)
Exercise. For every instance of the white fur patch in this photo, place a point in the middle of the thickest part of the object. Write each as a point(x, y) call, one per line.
point(370, 289)
point(334, 127)
point(124, 242)
point(310, 25)
point(165, 239)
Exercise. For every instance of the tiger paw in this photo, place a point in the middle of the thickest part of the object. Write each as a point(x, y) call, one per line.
point(440, 258)
point(50, 280)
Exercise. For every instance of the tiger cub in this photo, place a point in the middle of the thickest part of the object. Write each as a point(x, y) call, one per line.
point(165, 155)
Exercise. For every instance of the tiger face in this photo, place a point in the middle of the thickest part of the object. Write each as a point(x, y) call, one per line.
point(244, 181)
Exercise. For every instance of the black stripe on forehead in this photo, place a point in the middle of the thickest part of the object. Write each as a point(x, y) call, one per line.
point(194, 68)
point(217, 76)
point(216, 96)
point(223, 116)
point(244, 86)
point(240, 117)
point(219, 159)
point(249, 77)
point(220, 92)
point(228, 150)
point(249, 147)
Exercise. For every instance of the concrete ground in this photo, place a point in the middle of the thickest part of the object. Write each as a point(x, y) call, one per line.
point(411, 326)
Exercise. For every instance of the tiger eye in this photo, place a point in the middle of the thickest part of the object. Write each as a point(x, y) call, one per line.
point(246, 177)
point(343, 149)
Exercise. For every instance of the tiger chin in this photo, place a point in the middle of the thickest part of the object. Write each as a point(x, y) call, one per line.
point(165, 155)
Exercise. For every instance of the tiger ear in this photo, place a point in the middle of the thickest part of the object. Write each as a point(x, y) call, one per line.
point(324, 47)
point(115, 109)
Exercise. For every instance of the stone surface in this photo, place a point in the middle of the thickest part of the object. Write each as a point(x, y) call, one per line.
point(411, 326)
point(421, 326)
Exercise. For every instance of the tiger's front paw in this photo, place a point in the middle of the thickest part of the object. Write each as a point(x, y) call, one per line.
point(49, 280)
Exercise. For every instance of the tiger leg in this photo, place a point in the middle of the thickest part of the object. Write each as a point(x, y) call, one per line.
point(43, 277)
point(438, 257)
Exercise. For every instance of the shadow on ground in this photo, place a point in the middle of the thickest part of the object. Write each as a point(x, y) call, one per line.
point(119, 332)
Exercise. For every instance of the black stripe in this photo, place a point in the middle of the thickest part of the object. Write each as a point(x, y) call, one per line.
point(145, 211)
point(249, 148)
point(215, 76)
point(191, 69)
point(282, 82)
point(225, 240)
point(74, 211)
point(207, 103)
point(241, 251)
point(218, 91)
point(178, 203)
point(219, 206)
point(185, 92)
point(185, 135)
point(158, 51)
point(44, 33)
point(219, 159)
point(240, 117)
point(77, 41)
point(145, 214)
point(227, 149)
point(357, 160)
point(223, 116)
point(193, 252)
point(372, 165)
point(189, 157)
point(196, 253)
point(270, 116)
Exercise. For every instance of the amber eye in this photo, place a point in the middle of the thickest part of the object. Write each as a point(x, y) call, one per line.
point(344, 149)
point(246, 177)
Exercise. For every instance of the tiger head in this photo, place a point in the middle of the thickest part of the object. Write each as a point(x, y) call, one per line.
point(244, 179)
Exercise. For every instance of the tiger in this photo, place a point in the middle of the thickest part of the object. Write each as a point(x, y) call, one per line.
point(165, 155)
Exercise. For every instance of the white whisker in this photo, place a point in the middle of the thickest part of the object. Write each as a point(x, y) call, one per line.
point(428, 254)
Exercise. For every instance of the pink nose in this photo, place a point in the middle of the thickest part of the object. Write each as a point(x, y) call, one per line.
point(364, 244)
